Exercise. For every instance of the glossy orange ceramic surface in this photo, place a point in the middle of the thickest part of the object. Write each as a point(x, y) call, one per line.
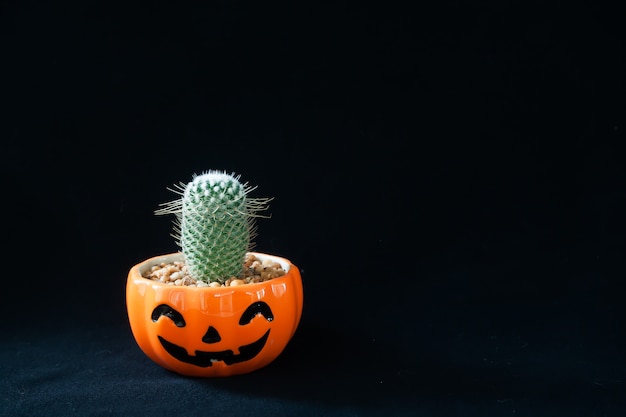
point(209, 332)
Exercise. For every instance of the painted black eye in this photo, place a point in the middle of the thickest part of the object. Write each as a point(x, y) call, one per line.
point(167, 311)
point(254, 309)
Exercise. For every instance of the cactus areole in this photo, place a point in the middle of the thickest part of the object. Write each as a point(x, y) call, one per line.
point(213, 329)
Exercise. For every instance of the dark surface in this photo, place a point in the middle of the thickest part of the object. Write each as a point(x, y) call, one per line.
point(450, 180)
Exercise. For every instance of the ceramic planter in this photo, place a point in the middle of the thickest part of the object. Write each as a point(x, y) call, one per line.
point(213, 332)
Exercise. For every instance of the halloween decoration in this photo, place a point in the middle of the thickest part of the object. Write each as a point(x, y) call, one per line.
point(204, 327)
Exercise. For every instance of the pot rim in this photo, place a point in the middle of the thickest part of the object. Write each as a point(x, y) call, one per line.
point(138, 269)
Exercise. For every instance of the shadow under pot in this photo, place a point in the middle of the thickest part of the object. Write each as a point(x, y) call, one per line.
point(213, 332)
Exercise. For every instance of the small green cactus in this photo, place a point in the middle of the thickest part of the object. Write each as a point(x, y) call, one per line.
point(214, 224)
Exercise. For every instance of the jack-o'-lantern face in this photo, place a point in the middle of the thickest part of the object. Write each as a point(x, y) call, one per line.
point(210, 332)
point(205, 358)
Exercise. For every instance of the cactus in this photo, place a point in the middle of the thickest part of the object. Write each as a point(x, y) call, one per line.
point(214, 225)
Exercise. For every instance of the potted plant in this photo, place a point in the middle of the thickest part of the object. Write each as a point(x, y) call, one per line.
point(215, 308)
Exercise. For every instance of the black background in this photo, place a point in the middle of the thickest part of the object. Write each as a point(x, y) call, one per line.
point(450, 179)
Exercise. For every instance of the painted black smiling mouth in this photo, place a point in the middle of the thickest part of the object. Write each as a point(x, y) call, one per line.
point(205, 359)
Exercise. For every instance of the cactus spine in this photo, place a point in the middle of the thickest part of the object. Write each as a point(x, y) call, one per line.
point(214, 224)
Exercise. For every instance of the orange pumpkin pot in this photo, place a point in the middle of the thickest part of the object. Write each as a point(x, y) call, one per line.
point(213, 332)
